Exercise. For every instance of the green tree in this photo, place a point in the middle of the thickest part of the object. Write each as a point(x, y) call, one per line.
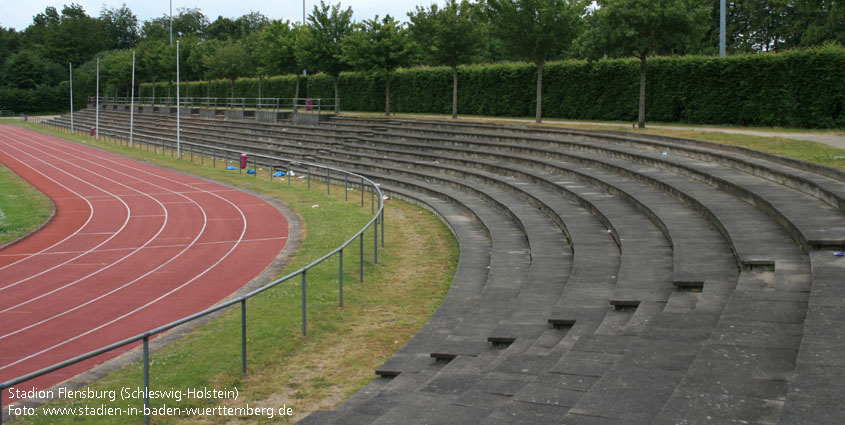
point(640, 28)
point(380, 46)
point(27, 69)
point(534, 29)
point(819, 21)
point(120, 27)
point(9, 39)
point(276, 50)
point(187, 21)
point(320, 47)
point(71, 36)
point(230, 61)
point(451, 36)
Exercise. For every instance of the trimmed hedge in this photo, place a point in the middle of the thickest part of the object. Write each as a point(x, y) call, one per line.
point(802, 88)
point(40, 99)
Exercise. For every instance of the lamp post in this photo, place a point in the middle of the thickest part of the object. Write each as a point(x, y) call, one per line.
point(97, 128)
point(178, 110)
point(132, 106)
point(70, 71)
point(722, 25)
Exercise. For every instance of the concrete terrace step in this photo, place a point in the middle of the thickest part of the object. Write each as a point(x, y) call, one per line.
point(714, 297)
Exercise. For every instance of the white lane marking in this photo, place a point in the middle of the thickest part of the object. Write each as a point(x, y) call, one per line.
point(101, 269)
point(240, 239)
point(90, 214)
point(125, 222)
point(160, 246)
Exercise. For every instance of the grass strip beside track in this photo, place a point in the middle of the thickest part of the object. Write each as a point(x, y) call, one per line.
point(22, 207)
point(343, 346)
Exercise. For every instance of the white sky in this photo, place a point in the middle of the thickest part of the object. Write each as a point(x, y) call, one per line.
point(18, 14)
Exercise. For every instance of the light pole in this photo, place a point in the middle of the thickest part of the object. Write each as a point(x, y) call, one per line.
point(70, 70)
point(722, 25)
point(97, 128)
point(132, 106)
point(178, 110)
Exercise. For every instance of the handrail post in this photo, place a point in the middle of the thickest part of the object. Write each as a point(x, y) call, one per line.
point(303, 302)
point(382, 224)
point(243, 336)
point(288, 173)
point(361, 257)
point(309, 177)
point(375, 241)
point(147, 380)
point(340, 275)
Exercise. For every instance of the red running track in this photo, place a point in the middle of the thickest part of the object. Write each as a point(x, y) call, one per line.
point(131, 247)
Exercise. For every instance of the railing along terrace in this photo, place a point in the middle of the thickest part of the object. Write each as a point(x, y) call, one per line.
point(144, 141)
point(276, 104)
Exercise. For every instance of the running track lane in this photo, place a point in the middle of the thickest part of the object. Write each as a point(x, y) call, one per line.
point(131, 247)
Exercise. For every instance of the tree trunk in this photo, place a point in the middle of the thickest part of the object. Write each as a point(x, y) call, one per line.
point(387, 95)
point(296, 93)
point(336, 98)
point(539, 114)
point(641, 117)
point(454, 92)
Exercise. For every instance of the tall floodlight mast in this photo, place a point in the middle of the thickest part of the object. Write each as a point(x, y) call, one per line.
point(70, 71)
point(97, 100)
point(722, 25)
point(178, 110)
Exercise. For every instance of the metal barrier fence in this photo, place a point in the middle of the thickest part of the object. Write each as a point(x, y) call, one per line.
point(164, 144)
point(275, 104)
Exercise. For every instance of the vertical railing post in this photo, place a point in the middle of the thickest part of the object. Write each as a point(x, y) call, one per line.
point(382, 224)
point(340, 275)
point(361, 257)
point(345, 187)
point(303, 302)
point(255, 164)
point(375, 241)
point(288, 173)
point(309, 177)
point(243, 335)
point(146, 380)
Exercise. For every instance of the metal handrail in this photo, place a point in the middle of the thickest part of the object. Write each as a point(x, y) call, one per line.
point(232, 103)
point(145, 336)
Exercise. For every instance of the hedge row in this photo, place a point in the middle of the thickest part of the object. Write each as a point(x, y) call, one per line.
point(42, 98)
point(277, 86)
point(793, 89)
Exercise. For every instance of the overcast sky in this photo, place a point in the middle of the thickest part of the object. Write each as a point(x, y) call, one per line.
point(18, 14)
